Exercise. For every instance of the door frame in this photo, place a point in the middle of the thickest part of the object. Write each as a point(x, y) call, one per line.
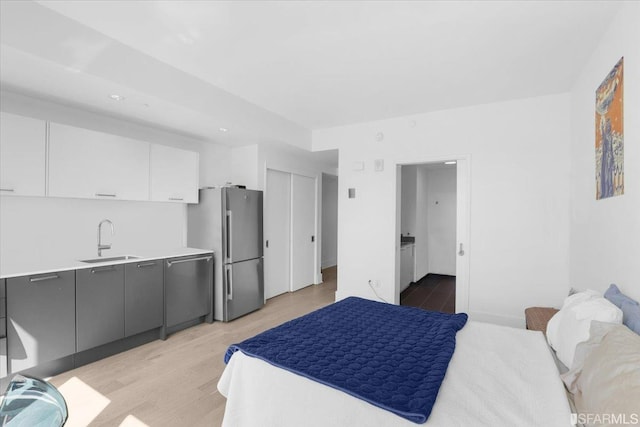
point(463, 223)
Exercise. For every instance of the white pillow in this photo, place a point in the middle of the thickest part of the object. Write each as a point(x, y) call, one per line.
point(571, 324)
point(579, 297)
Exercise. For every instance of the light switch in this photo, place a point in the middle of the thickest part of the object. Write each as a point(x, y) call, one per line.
point(378, 165)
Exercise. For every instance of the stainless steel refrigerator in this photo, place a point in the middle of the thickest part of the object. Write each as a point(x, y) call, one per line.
point(229, 221)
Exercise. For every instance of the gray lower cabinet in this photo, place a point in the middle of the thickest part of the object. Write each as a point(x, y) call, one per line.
point(143, 296)
point(3, 358)
point(41, 323)
point(188, 288)
point(99, 306)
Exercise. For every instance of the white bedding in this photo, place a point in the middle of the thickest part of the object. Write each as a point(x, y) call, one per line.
point(498, 376)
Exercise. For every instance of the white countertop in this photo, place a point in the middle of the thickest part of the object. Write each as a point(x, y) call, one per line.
point(25, 266)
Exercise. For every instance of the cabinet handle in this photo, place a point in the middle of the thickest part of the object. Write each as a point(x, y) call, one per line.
point(229, 284)
point(229, 236)
point(178, 199)
point(105, 195)
point(146, 264)
point(43, 278)
point(100, 270)
point(180, 261)
point(461, 251)
point(8, 190)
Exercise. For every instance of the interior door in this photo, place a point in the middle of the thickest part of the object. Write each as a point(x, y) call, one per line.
point(243, 224)
point(277, 233)
point(303, 239)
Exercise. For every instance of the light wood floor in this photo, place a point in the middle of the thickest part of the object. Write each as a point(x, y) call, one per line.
point(173, 382)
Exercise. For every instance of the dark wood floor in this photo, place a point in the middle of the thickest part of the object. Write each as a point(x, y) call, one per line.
point(435, 292)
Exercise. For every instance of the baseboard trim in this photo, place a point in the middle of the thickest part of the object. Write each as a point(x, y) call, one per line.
point(366, 295)
point(326, 263)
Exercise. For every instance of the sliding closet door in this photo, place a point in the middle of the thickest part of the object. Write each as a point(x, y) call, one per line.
point(303, 220)
point(277, 233)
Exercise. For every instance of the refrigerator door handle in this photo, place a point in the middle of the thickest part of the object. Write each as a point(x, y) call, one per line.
point(229, 283)
point(229, 237)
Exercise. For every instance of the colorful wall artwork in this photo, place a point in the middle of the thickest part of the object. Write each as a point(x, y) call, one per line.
point(610, 134)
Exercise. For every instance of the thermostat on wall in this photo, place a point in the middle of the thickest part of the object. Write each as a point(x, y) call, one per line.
point(352, 193)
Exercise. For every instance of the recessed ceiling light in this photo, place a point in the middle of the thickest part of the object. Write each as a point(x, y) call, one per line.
point(453, 162)
point(117, 97)
point(223, 130)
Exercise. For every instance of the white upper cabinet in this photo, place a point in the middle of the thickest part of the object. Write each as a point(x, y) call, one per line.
point(174, 175)
point(22, 156)
point(95, 165)
point(82, 163)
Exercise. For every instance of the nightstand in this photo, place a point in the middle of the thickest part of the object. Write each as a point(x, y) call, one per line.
point(538, 317)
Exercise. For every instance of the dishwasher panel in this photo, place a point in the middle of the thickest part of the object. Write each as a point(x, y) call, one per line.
point(188, 288)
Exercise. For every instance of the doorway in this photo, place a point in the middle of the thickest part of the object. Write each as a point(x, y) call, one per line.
point(329, 245)
point(432, 225)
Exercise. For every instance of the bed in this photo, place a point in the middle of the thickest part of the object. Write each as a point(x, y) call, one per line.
point(496, 376)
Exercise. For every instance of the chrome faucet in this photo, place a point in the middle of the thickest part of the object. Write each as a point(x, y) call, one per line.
point(101, 247)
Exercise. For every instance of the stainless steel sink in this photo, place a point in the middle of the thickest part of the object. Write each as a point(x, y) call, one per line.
point(108, 259)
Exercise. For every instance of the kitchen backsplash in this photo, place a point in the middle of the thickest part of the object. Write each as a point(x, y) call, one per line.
point(67, 228)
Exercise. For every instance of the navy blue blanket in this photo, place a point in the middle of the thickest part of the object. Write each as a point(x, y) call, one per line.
point(393, 357)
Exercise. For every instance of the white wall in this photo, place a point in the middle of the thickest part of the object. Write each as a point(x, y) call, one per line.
point(408, 201)
point(66, 228)
point(329, 220)
point(244, 166)
point(441, 221)
point(519, 231)
point(435, 222)
point(215, 167)
point(605, 234)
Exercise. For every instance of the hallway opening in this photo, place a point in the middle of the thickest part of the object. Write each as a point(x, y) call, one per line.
point(428, 221)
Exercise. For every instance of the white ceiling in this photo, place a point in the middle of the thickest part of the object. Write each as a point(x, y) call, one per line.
point(275, 70)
